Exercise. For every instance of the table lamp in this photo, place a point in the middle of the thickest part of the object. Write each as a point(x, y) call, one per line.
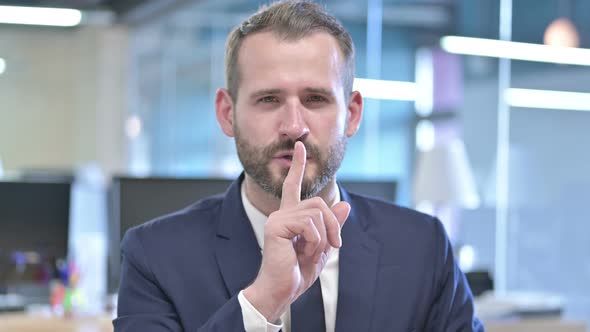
point(444, 184)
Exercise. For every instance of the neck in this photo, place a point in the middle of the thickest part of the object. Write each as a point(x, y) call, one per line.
point(268, 203)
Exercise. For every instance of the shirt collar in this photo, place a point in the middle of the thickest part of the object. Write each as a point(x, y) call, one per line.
point(258, 219)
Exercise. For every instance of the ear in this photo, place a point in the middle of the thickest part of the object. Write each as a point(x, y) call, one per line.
point(355, 113)
point(224, 110)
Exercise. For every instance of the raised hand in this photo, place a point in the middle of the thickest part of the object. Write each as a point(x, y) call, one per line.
point(297, 240)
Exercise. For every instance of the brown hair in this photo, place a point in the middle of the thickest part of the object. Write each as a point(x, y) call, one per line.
point(291, 20)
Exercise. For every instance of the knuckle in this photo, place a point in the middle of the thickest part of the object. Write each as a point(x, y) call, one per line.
point(309, 221)
point(273, 216)
point(318, 201)
point(318, 214)
point(274, 220)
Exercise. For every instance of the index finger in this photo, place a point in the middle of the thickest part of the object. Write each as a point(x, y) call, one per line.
point(291, 194)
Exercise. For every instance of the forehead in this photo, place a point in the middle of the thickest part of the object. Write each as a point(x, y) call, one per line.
point(264, 58)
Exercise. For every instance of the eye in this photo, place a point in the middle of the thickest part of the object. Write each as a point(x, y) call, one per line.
point(316, 99)
point(268, 99)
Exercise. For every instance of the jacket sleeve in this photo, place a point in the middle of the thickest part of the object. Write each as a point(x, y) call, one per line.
point(144, 306)
point(452, 309)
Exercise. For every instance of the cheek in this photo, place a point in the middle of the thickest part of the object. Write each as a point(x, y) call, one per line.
point(255, 128)
point(330, 128)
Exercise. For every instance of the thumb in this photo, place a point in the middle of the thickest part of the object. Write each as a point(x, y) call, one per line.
point(341, 210)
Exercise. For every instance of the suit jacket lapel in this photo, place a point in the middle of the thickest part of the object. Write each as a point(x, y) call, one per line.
point(358, 265)
point(238, 257)
point(236, 249)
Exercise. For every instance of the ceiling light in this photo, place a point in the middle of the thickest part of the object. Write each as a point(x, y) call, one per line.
point(386, 90)
point(562, 32)
point(548, 99)
point(515, 50)
point(40, 16)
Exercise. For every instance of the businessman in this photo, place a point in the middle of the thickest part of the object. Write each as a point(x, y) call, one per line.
point(286, 248)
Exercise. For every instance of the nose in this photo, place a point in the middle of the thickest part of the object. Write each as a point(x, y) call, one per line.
point(293, 124)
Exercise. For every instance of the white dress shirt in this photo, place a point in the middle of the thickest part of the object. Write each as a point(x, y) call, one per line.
point(254, 321)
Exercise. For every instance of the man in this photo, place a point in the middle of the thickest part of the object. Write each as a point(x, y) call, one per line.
point(285, 247)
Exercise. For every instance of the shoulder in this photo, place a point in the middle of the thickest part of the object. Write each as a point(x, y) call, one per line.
point(192, 222)
point(402, 232)
point(377, 213)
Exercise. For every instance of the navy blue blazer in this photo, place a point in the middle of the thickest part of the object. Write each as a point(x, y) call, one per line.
point(183, 272)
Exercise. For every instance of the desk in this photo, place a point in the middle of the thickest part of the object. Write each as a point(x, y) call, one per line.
point(535, 325)
point(20, 322)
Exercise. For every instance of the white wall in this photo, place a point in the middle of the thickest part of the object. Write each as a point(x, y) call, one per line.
point(62, 97)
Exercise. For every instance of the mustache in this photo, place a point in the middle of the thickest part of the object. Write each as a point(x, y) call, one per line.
point(289, 144)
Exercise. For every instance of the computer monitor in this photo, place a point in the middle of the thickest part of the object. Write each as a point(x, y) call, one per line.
point(382, 189)
point(137, 200)
point(134, 201)
point(34, 226)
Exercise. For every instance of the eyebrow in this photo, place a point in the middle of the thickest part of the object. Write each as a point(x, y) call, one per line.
point(264, 92)
point(320, 91)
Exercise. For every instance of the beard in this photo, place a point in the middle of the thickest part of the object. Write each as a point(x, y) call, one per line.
point(256, 162)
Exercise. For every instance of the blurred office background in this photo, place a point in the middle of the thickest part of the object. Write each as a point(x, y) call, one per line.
point(487, 143)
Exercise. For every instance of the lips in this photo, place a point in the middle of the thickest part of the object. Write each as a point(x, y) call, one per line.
point(288, 155)
point(285, 155)
point(285, 158)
